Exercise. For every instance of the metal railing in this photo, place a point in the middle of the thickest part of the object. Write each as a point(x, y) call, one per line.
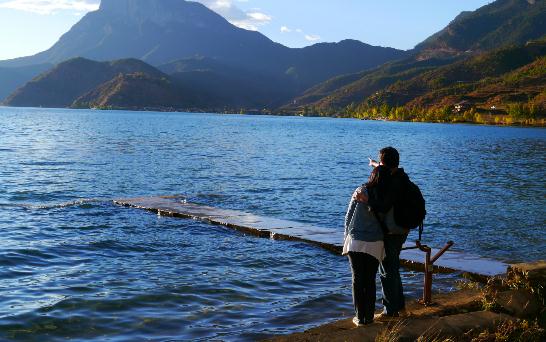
point(429, 265)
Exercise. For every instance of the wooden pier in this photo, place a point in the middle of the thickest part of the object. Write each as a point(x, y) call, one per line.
point(267, 227)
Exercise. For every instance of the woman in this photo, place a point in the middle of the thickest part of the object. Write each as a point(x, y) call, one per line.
point(364, 245)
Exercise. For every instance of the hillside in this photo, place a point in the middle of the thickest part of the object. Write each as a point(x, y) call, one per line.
point(349, 89)
point(448, 84)
point(229, 87)
point(66, 82)
point(132, 84)
point(136, 91)
point(499, 24)
point(525, 85)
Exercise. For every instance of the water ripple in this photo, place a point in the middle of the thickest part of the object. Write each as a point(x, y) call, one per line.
point(74, 266)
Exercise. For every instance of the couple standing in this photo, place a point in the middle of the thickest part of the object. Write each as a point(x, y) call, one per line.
point(374, 241)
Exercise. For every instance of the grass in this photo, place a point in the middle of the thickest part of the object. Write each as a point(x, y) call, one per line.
point(391, 333)
point(467, 285)
point(519, 330)
point(508, 331)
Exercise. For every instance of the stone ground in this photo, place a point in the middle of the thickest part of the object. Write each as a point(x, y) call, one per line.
point(454, 314)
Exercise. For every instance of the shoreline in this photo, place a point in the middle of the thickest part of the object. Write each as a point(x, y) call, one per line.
point(540, 124)
point(511, 307)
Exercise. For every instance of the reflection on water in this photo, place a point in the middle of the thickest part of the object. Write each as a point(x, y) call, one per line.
point(72, 265)
point(130, 274)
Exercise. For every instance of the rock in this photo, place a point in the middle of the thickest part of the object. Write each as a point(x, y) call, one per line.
point(412, 329)
point(458, 325)
point(520, 303)
point(532, 274)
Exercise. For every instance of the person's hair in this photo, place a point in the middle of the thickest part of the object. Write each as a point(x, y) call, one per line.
point(389, 157)
point(378, 177)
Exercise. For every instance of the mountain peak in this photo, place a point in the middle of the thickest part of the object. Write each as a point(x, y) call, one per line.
point(150, 6)
point(161, 12)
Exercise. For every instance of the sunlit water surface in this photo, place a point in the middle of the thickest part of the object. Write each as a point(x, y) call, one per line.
point(73, 265)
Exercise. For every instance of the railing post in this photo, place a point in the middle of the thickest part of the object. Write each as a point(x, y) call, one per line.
point(429, 269)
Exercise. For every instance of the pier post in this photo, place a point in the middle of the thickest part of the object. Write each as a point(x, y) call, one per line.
point(429, 269)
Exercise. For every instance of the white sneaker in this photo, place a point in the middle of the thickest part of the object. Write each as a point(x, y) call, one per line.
point(357, 322)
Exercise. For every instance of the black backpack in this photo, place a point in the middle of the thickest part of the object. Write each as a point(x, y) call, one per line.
point(409, 209)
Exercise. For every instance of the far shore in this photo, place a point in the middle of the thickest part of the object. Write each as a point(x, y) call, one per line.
point(486, 120)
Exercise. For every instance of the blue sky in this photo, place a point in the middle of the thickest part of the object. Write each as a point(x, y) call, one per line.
point(31, 26)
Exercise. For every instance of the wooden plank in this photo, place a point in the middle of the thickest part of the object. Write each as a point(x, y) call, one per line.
point(326, 238)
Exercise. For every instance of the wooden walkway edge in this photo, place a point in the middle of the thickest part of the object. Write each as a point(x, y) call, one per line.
point(325, 238)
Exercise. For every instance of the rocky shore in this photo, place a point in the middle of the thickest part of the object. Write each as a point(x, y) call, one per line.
point(506, 308)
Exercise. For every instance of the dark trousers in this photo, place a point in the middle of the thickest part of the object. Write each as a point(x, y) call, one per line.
point(391, 283)
point(364, 267)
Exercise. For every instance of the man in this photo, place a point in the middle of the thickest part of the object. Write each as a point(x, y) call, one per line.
point(393, 292)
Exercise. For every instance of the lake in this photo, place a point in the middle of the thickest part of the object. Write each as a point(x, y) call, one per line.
point(74, 265)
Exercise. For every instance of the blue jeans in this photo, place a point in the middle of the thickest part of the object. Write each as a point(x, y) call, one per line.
point(391, 283)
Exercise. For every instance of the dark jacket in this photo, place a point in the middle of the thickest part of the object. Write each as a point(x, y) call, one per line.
point(383, 198)
point(389, 193)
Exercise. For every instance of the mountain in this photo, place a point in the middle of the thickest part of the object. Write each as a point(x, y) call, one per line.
point(136, 91)
point(501, 23)
point(227, 91)
point(344, 90)
point(69, 80)
point(231, 87)
point(13, 78)
point(159, 32)
point(319, 62)
point(507, 80)
point(496, 70)
point(200, 84)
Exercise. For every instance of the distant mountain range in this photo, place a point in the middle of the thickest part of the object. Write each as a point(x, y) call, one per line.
point(494, 27)
point(133, 84)
point(161, 32)
point(176, 54)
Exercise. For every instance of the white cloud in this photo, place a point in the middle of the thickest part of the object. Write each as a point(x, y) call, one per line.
point(285, 29)
point(312, 37)
point(261, 17)
point(249, 20)
point(45, 7)
point(300, 32)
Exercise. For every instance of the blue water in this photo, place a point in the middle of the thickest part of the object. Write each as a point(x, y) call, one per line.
point(73, 265)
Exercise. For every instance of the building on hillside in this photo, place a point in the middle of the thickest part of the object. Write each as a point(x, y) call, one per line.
point(462, 106)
